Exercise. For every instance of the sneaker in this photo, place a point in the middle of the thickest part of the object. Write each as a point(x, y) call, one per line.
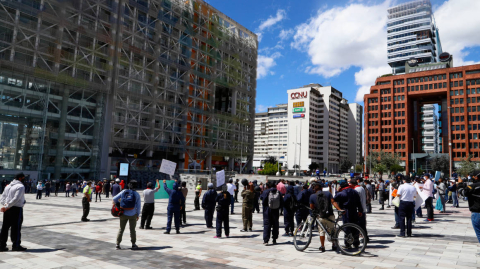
point(19, 248)
point(243, 230)
point(322, 249)
point(3, 249)
point(265, 243)
point(426, 220)
point(381, 209)
point(178, 232)
point(274, 241)
point(395, 227)
point(285, 234)
point(250, 230)
point(141, 227)
point(217, 236)
point(117, 247)
point(148, 228)
point(166, 233)
point(134, 247)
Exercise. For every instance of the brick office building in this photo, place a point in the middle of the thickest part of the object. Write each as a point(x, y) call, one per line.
point(393, 114)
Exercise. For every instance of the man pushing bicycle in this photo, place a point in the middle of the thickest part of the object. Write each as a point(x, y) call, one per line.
point(321, 204)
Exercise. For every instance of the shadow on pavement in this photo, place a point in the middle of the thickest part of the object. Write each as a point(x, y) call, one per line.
point(152, 248)
point(43, 250)
point(245, 236)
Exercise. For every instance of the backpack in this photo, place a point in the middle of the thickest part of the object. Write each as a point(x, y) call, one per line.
point(293, 204)
point(116, 211)
point(321, 205)
point(128, 200)
point(274, 200)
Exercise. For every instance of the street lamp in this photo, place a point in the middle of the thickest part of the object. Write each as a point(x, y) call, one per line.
point(414, 160)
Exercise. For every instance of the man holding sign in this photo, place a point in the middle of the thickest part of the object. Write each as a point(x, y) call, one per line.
point(176, 201)
point(427, 191)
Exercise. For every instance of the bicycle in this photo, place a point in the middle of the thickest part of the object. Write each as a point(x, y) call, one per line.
point(349, 238)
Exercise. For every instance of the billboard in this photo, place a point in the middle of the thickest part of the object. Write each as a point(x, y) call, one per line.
point(298, 109)
point(123, 169)
point(298, 104)
point(299, 116)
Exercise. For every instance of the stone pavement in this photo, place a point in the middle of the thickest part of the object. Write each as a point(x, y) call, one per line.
point(56, 238)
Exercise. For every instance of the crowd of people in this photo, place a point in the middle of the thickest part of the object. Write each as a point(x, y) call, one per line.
point(293, 200)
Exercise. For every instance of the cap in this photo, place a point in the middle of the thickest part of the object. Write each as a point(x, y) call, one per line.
point(117, 180)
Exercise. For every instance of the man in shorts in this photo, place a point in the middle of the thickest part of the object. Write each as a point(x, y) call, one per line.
point(321, 203)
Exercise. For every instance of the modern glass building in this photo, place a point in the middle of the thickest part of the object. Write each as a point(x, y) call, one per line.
point(88, 84)
point(412, 34)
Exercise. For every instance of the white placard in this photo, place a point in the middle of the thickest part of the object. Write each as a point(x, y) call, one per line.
point(168, 167)
point(220, 178)
point(390, 190)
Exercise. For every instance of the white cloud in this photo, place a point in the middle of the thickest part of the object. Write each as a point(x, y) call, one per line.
point(457, 35)
point(271, 21)
point(342, 37)
point(265, 63)
point(285, 34)
point(260, 36)
point(261, 108)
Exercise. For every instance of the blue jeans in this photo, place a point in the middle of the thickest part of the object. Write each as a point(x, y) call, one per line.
point(232, 202)
point(454, 198)
point(476, 224)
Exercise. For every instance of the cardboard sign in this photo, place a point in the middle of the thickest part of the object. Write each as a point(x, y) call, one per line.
point(168, 167)
point(220, 178)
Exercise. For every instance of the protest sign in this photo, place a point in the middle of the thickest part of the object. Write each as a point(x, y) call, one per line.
point(220, 178)
point(168, 167)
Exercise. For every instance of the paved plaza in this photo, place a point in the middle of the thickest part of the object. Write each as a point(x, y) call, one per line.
point(56, 238)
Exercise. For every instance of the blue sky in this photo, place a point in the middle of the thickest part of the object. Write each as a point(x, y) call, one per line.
point(338, 42)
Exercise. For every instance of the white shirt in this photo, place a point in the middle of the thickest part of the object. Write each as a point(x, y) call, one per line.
point(231, 188)
point(363, 197)
point(407, 192)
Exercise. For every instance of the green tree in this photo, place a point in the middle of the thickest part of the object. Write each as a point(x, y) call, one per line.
point(358, 168)
point(467, 166)
point(441, 164)
point(380, 169)
point(345, 165)
point(313, 166)
point(396, 168)
point(269, 169)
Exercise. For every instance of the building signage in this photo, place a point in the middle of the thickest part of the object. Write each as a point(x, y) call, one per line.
point(445, 57)
point(298, 95)
point(298, 109)
point(299, 116)
point(412, 62)
point(298, 104)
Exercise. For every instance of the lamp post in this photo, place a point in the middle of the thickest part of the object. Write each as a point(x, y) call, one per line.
point(414, 160)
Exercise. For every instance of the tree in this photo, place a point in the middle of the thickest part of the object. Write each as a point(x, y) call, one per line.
point(345, 165)
point(313, 166)
point(381, 157)
point(358, 168)
point(380, 169)
point(441, 164)
point(269, 169)
point(396, 168)
point(270, 159)
point(467, 166)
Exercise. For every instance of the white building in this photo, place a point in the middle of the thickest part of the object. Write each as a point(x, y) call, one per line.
point(270, 135)
point(355, 127)
point(430, 130)
point(319, 128)
point(412, 34)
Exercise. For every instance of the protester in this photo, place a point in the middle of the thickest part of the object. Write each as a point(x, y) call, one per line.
point(231, 189)
point(472, 192)
point(272, 202)
point(362, 220)
point(57, 187)
point(67, 190)
point(183, 213)
point(87, 195)
point(148, 205)
point(208, 204)
point(453, 189)
point(321, 204)
point(47, 189)
point(441, 188)
point(256, 204)
point(381, 192)
point(74, 189)
point(175, 203)
point(223, 199)
point(290, 206)
point(106, 187)
point(427, 190)
point(128, 200)
point(39, 190)
point(348, 199)
point(122, 184)
point(13, 200)
point(248, 196)
point(303, 199)
point(397, 216)
point(198, 192)
point(407, 194)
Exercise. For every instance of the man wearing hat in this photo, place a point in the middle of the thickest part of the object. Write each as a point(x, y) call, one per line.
point(12, 200)
point(87, 194)
point(208, 204)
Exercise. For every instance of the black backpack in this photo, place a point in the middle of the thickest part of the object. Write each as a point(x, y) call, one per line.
point(322, 205)
point(292, 204)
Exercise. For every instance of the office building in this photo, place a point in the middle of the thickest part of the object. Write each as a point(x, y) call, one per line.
point(412, 33)
point(430, 132)
point(393, 112)
point(271, 135)
point(91, 84)
point(319, 121)
point(355, 126)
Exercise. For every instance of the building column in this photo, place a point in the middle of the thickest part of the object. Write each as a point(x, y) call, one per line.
point(26, 148)
point(18, 145)
point(208, 161)
point(94, 168)
point(61, 132)
point(231, 163)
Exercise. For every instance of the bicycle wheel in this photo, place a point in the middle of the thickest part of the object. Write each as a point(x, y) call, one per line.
point(302, 236)
point(351, 239)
